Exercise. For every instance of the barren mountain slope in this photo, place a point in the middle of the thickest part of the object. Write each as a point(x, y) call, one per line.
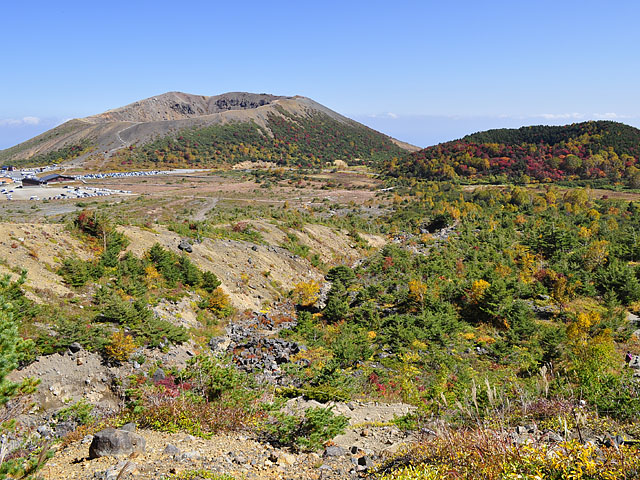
point(143, 121)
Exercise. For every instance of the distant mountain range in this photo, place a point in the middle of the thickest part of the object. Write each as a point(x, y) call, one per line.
point(582, 151)
point(180, 129)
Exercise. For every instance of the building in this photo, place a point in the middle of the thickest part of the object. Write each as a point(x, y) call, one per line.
point(47, 179)
point(56, 178)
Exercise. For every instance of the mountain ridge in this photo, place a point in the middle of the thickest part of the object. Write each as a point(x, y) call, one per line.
point(144, 121)
point(587, 151)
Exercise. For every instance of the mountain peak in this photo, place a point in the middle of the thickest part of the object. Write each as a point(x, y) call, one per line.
point(209, 130)
point(178, 106)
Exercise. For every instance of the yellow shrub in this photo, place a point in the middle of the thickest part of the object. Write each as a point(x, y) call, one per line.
point(120, 346)
point(152, 275)
point(218, 302)
point(417, 291)
point(477, 290)
point(306, 293)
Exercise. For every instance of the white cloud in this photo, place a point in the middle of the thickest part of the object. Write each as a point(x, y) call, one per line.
point(561, 116)
point(611, 115)
point(31, 120)
point(19, 122)
point(380, 115)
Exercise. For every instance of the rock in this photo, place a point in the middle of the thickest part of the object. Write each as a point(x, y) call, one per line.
point(128, 427)
point(65, 428)
point(86, 439)
point(334, 451)
point(121, 470)
point(286, 459)
point(171, 450)
point(111, 441)
point(75, 347)
point(190, 456)
point(365, 462)
point(185, 246)
point(158, 375)
point(520, 430)
point(219, 344)
point(239, 459)
point(553, 437)
point(44, 431)
point(613, 441)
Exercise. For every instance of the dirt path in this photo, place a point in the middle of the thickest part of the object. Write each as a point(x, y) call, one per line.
point(209, 203)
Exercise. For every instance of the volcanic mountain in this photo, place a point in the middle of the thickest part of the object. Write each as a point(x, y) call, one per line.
point(182, 129)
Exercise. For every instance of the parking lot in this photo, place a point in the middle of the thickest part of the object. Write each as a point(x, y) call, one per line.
point(11, 192)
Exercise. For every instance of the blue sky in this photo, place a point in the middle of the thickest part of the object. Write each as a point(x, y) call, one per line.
point(423, 71)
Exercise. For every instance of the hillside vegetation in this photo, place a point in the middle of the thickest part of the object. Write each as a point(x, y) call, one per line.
point(499, 306)
point(599, 152)
point(500, 323)
point(287, 139)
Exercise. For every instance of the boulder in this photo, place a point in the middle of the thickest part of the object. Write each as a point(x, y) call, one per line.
point(113, 442)
point(334, 451)
point(171, 450)
point(185, 246)
point(158, 375)
point(129, 427)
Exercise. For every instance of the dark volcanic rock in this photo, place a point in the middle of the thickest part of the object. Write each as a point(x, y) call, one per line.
point(185, 246)
point(111, 441)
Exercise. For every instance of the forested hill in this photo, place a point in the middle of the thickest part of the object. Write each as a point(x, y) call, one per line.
point(582, 151)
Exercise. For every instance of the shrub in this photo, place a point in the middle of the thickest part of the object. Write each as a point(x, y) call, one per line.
point(204, 398)
point(120, 346)
point(155, 331)
point(210, 281)
point(218, 303)
point(80, 412)
point(306, 433)
point(75, 272)
point(306, 293)
point(28, 459)
point(341, 273)
point(337, 306)
point(490, 455)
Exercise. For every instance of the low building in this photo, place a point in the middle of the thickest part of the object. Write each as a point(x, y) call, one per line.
point(47, 179)
point(31, 182)
point(56, 178)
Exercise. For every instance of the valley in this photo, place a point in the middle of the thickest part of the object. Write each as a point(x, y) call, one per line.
point(271, 290)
